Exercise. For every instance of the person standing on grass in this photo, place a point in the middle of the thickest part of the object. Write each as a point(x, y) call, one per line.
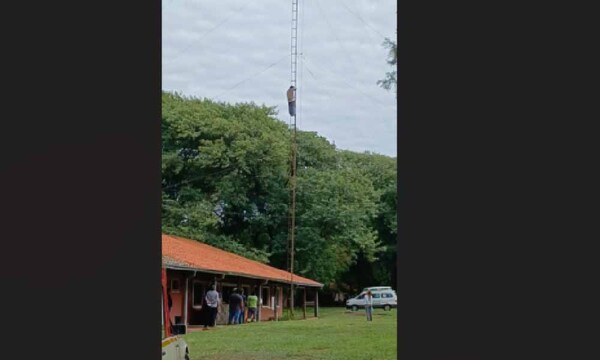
point(205, 314)
point(369, 305)
point(242, 307)
point(212, 305)
point(235, 306)
point(252, 304)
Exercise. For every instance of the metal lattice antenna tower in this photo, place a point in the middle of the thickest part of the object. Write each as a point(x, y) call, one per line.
point(294, 42)
point(292, 222)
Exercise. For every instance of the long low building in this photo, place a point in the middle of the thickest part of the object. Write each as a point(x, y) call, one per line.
point(192, 266)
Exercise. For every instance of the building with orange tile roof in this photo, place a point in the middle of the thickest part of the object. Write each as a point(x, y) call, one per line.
point(192, 266)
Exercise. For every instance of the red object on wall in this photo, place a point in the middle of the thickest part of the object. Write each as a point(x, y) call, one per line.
point(165, 300)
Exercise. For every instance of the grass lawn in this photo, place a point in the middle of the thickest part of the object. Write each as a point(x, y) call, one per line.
point(337, 334)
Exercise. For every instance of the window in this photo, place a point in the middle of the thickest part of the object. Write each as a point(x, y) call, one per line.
point(360, 297)
point(376, 296)
point(227, 290)
point(266, 297)
point(198, 293)
point(174, 285)
point(387, 295)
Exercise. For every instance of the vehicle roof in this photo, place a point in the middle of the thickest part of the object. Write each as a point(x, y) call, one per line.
point(377, 287)
point(379, 290)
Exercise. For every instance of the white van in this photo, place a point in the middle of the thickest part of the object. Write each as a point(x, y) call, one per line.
point(383, 297)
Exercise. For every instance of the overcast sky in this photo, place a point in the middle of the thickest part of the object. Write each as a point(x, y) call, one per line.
point(239, 51)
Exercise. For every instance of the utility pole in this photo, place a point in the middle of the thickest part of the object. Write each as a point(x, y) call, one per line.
point(292, 221)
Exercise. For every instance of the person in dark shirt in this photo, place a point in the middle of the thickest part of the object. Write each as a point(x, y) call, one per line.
point(235, 307)
point(291, 96)
point(242, 308)
point(170, 305)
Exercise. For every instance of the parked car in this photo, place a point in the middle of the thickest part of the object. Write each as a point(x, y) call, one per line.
point(383, 297)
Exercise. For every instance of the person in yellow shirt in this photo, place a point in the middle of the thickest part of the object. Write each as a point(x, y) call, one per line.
point(252, 306)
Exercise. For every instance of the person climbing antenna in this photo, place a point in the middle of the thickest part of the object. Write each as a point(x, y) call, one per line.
point(291, 95)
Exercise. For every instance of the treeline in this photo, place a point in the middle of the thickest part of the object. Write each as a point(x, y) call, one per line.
point(225, 182)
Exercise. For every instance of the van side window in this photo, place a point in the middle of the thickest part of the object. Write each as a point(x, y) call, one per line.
point(376, 296)
point(361, 297)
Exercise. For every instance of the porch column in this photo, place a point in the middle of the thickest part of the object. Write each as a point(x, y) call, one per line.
point(185, 301)
point(316, 302)
point(220, 304)
point(239, 287)
point(276, 301)
point(259, 309)
point(304, 303)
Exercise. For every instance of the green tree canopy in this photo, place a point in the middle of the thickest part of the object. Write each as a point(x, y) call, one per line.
point(390, 77)
point(225, 170)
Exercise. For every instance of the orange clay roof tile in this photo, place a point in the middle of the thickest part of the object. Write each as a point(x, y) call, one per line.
point(193, 254)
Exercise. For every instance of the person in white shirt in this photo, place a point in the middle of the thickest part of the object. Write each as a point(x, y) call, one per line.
point(212, 303)
point(369, 305)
